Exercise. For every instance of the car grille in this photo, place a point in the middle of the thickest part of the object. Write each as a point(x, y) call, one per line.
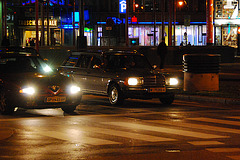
point(154, 81)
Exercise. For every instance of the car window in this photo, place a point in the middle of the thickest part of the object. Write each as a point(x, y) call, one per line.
point(71, 61)
point(96, 62)
point(23, 64)
point(84, 61)
point(127, 61)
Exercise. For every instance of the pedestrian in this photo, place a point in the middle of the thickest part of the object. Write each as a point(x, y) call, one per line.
point(162, 52)
point(189, 44)
point(5, 42)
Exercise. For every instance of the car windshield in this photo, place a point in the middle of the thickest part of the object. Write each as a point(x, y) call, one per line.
point(24, 64)
point(127, 61)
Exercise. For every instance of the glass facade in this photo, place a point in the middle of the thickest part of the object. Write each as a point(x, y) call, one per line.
point(227, 21)
point(195, 34)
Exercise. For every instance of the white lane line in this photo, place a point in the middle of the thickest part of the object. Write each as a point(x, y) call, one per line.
point(203, 143)
point(164, 130)
point(221, 150)
point(203, 119)
point(124, 134)
point(234, 157)
point(235, 117)
point(196, 126)
point(76, 138)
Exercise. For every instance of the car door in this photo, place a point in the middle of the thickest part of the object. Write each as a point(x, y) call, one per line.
point(97, 76)
point(80, 72)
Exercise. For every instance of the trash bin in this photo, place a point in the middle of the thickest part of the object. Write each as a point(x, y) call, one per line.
point(201, 72)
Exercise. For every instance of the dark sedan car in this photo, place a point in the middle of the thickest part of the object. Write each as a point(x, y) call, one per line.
point(119, 75)
point(26, 81)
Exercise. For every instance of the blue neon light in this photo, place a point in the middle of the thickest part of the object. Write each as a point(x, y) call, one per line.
point(51, 2)
point(86, 16)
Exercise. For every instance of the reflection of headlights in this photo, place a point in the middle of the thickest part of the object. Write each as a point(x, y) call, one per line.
point(172, 81)
point(74, 89)
point(134, 81)
point(28, 90)
point(47, 69)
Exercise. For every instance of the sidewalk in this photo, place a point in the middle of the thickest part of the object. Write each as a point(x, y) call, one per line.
point(229, 85)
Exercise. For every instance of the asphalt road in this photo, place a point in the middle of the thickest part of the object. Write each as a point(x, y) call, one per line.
point(137, 130)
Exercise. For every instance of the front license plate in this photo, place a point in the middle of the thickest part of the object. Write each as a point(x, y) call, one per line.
point(55, 99)
point(157, 90)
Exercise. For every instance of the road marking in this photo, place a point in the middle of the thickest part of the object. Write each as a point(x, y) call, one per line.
point(76, 137)
point(203, 119)
point(202, 143)
point(165, 130)
point(226, 150)
point(196, 126)
point(124, 134)
point(235, 117)
point(234, 157)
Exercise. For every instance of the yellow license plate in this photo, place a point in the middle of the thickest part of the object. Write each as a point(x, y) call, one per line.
point(157, 90)
point(55, 99)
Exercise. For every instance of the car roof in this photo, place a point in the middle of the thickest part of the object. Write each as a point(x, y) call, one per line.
point(18, 49)
point(110, 52)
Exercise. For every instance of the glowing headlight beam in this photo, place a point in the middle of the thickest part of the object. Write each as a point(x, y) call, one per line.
point(28, 90)
point(173, 81)
point(74, 89)
point(132, 81)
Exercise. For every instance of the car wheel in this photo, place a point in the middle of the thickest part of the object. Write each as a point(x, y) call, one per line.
point(167, 99)
point(69, 109)
point(5, 108)
point(115, 95)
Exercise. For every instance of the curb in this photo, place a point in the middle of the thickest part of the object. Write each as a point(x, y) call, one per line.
point(208, 99)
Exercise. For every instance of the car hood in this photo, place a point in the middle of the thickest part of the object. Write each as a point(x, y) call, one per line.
point(136, 72)
point(36, 78)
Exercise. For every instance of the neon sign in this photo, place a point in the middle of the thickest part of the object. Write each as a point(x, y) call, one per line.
point(122, 6)
point(59, 2)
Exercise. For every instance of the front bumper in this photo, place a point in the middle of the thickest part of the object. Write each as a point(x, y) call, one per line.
point(40, 102)
point(146, 93)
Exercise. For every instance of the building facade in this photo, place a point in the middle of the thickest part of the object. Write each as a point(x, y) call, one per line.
point(227, 21)
point(145, 27)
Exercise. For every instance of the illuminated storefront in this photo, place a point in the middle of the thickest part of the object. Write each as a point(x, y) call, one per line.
point(227, 21)
point(143, 33)
point(28, 30)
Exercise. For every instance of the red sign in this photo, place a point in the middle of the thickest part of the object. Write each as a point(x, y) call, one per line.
point(134, 19)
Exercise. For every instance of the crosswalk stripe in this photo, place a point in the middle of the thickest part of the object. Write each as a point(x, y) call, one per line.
point(196, 126)
point(234, 157)
point(223, 150)
point(124, 134)
point(201, 143)
point(165, 130)
point(76, 138)
point(203, 119)
point(235, 117)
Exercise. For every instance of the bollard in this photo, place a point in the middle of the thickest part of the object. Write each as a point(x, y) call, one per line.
point(201, 72)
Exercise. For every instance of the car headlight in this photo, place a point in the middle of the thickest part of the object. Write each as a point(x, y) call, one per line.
point(27, 90)
point(172, 81)
point(133, 81)
point(74, 89)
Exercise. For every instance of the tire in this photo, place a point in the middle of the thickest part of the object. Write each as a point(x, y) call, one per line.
point(167, 100)
point(115, 95)
point(69, 109)
point(5, 107)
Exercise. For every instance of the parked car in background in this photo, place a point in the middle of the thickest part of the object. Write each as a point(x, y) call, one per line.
point(26, 81)
point(119, 75)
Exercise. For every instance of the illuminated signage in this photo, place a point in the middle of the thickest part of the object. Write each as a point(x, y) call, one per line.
point(59, 2)
point(122, 6)
point(33, 22)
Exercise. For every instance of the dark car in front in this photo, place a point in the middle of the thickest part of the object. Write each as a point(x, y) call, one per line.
point(26, 81)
